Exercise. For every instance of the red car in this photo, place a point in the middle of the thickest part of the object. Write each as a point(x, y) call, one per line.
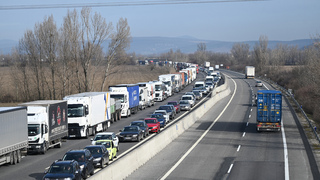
point(176, 105)
point(153, 124)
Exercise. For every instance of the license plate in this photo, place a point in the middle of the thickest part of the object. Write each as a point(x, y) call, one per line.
point(127, 138)
point(72, 136)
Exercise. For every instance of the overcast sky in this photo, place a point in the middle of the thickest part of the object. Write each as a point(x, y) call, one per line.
point(223, 21)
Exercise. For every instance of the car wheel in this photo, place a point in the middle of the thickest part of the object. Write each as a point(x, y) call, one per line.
point(101, 164)
point(92, 172)
point(118, 148)
point(138, 139)
point(111, 158)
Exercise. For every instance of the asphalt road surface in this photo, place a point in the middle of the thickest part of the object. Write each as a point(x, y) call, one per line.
point(33, 166)
point(224, 144)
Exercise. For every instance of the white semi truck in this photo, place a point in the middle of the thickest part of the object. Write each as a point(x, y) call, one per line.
point(47, 124)
point(88, 113)
point(168, 80)
point(13, 133)
point(146, 90)
point(250, 72)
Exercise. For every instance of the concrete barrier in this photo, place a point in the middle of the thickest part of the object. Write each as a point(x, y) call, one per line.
point(129, 163)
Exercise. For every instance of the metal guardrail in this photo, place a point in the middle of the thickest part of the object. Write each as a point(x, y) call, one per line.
point(273, 84)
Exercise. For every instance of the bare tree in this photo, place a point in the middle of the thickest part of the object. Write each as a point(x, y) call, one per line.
point(240, 52)
point(261, 53)
point(120, 41)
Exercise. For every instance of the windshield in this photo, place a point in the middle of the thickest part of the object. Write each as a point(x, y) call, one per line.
point(150, 121)
point(94, 150)
point(74, 156)
point(33, 129)
point(75, 110)
point(198, 85)
point(60, 168)
point(157, 116)
point(186, 98)
point(140, 124)
point(158, 87)
point(167, 83)
point(118, 96)
point(196, 92)
point(130, 129)
point(184, 102)
point(106, 144)
point(164, 108)
point(99, 137)
point(161, 112)
point(173, 103)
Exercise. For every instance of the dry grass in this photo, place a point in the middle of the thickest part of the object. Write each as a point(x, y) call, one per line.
point(126, 74)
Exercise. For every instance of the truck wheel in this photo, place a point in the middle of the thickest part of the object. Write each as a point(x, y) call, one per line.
point(59, 145)
point(44, 148)
point(87, 133)
point(19, 156)
point(93, 131)
point(11, 158)
point(119, 116)
point(15, 157)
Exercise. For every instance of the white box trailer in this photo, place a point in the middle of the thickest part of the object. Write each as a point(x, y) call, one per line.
point(13, 133)
point(47, 124)
point(250, 72)
point(88, 113)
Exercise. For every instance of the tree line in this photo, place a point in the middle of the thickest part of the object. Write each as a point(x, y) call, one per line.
point(51, 62)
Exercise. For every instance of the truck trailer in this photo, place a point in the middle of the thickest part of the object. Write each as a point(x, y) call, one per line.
point(47, 124)
point(250, 72)
point(13, 133)
point(129, 96)
point(88, 113)
point(269, 110)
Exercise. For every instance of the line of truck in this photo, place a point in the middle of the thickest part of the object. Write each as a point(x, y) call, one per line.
point(36, 126)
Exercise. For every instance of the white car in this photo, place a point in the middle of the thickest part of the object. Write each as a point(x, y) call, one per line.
point(189, 98)
point(164, 113)
point(106, 136)
point(258, 84)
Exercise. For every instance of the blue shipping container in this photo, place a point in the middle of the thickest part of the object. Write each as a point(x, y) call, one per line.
point(133, 91)
point(269, 106)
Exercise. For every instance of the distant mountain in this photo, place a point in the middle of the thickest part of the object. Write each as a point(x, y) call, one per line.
point(186, 44)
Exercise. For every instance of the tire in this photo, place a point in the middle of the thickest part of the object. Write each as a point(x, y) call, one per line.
point(118, 148)
point(87, 133)
point(92, 172)
point(18, 156)
point(138, 140)
point(11, 158)
point(15, 157)
point(93, 131)
point(102, 163)
point(44, 148)
point(59, 145)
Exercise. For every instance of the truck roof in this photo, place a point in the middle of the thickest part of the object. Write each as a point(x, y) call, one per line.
point(269, 91)
point(9, 109)
point(85, 94)
point(124, 85)
point(42, 102)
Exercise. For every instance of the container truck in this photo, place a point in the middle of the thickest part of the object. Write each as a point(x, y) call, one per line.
point(115, 109)
point(160, 91)
point(47, 124)
point(178, 82)
point(143, 97)
point(250, 72)
point(88, 113)
point(148, 88)
point(13, 133)
point(216, 67)
point(206, 64)
point(269, 110)
point(129, 96)
point(168, 80)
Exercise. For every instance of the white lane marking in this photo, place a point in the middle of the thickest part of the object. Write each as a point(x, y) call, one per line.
point(247, 124)
point(244, 133)
point(238, 148)
point(285, 153)
point(250, 116)
point(202, 136)
point(251, 110)
point(230, 168)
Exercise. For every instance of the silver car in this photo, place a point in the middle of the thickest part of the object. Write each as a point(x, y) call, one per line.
point(185, 105)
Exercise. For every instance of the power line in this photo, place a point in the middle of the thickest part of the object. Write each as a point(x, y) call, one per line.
point(109, 4)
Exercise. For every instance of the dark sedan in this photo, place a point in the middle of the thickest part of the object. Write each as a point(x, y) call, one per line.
point(64, 170)
point(142, 125)
point(100, 155)
point(131, 133)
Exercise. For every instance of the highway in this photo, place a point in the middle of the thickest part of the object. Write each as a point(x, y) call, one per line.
point(224, 144)
point(33, 166)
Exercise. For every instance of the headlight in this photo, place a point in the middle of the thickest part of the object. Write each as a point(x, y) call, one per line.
point(81, 167)
point(97, 159)
point(135, 135)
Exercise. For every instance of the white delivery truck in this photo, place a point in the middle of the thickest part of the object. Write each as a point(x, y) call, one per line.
point(13, 133)
point(168, 80)
point(250, 72)
point(88, 113)
point(148, 88)
point(143, 97)
point(216, 67)
point(178, 82)
point(47, 124)
point(160, 91)
point(206, 64)
point(129, 96)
